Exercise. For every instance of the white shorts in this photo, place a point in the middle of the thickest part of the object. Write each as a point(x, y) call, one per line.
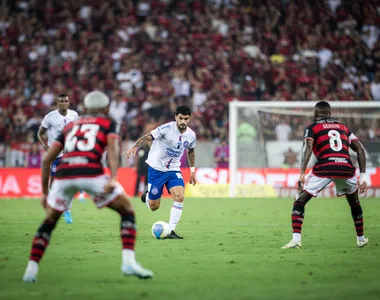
point(63, 191)
point(314, 184)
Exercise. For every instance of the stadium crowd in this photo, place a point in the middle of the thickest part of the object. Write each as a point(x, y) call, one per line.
point(151, 55)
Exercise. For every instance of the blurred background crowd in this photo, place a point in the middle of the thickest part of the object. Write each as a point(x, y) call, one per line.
point(151, 55)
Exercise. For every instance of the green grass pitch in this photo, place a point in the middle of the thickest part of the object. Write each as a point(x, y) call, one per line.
point(231, 250)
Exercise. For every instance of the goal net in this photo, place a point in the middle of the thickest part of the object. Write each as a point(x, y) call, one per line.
point(270, 134)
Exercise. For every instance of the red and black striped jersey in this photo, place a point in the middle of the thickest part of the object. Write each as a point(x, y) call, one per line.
point(332, 141)
point(84, 142)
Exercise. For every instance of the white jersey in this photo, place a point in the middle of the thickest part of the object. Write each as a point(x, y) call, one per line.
point(168, 147)
point(54, 122)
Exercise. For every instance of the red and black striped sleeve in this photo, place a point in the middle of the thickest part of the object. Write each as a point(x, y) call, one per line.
point(309, 133)
point(113, 130)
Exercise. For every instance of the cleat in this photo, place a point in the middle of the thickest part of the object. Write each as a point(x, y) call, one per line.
point(68, 217)
point(136, 270)
point(143, 196)
point(29, 278)
point(363, 243)
point(173, 235)
point(292, 245)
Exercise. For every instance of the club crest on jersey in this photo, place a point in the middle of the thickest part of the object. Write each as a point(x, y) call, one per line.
point(185, 144)
point(154, 190)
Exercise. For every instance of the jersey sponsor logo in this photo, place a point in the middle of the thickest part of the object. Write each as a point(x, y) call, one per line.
point(163, 127)
point(172, 152)
point(75, 160)
point(339, 160)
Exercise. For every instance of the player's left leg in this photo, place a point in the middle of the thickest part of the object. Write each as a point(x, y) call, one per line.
point(313, 185)
point(177, 193)
point(176, 187)
point(349, 188)
point(40, 242)
point(59, 199)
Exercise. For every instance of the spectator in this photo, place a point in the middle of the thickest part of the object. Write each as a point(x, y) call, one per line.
point(246, 133)
point(375, 87)
point(283, 130)
point(33, 158)
point(222, 155)
point(290, 159)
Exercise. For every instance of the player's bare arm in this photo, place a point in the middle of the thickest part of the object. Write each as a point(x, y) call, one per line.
point(41, 137)
point(141, 141)
point(307, 150)
point(360, 152)
point(113, 160)
point(191, 159)
point(47, 160)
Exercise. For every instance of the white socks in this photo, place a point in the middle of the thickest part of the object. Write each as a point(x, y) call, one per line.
point(175, 214)
point(360, 238)
point(147, 200)
point(128, 256)
point(296, 237)
point(32, 268)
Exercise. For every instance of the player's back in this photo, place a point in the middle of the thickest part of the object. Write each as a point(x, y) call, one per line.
point(84, 142)
point(332, 141)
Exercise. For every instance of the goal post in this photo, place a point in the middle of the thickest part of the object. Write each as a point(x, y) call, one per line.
point(261, 132)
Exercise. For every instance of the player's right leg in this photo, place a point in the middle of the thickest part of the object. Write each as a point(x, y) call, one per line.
point(118, 201)
point(153, 192)
point(349, 188)
point(313, 185)
point(129, 266)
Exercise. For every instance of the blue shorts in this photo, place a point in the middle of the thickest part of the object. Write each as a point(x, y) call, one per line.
point(54, 165)
point(157, 180)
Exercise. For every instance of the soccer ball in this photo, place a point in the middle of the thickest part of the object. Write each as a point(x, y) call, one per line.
point(161, 230)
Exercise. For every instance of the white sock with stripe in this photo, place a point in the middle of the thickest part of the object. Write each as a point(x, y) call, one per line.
point(175, 214)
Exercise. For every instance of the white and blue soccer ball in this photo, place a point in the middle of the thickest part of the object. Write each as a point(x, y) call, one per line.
point(161, 230)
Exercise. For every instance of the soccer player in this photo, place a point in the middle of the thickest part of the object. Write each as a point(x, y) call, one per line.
point(53, 123)
point(84, 142)
point(169, 142)
point(330, 141)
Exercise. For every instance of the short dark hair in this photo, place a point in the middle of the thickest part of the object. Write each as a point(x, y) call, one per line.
point(183, 110)
point(322, 106)
point(62, 96)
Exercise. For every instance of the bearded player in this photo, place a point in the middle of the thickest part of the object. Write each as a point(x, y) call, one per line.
point(169, 142)
point(330, 141)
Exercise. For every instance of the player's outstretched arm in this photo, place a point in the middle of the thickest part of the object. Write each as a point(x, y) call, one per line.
point(41, 137)
point(141, 141)
point(191, 159)
point(360, 152)
point(307, 150)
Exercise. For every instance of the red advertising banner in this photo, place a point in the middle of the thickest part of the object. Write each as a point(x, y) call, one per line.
point(22, 182)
